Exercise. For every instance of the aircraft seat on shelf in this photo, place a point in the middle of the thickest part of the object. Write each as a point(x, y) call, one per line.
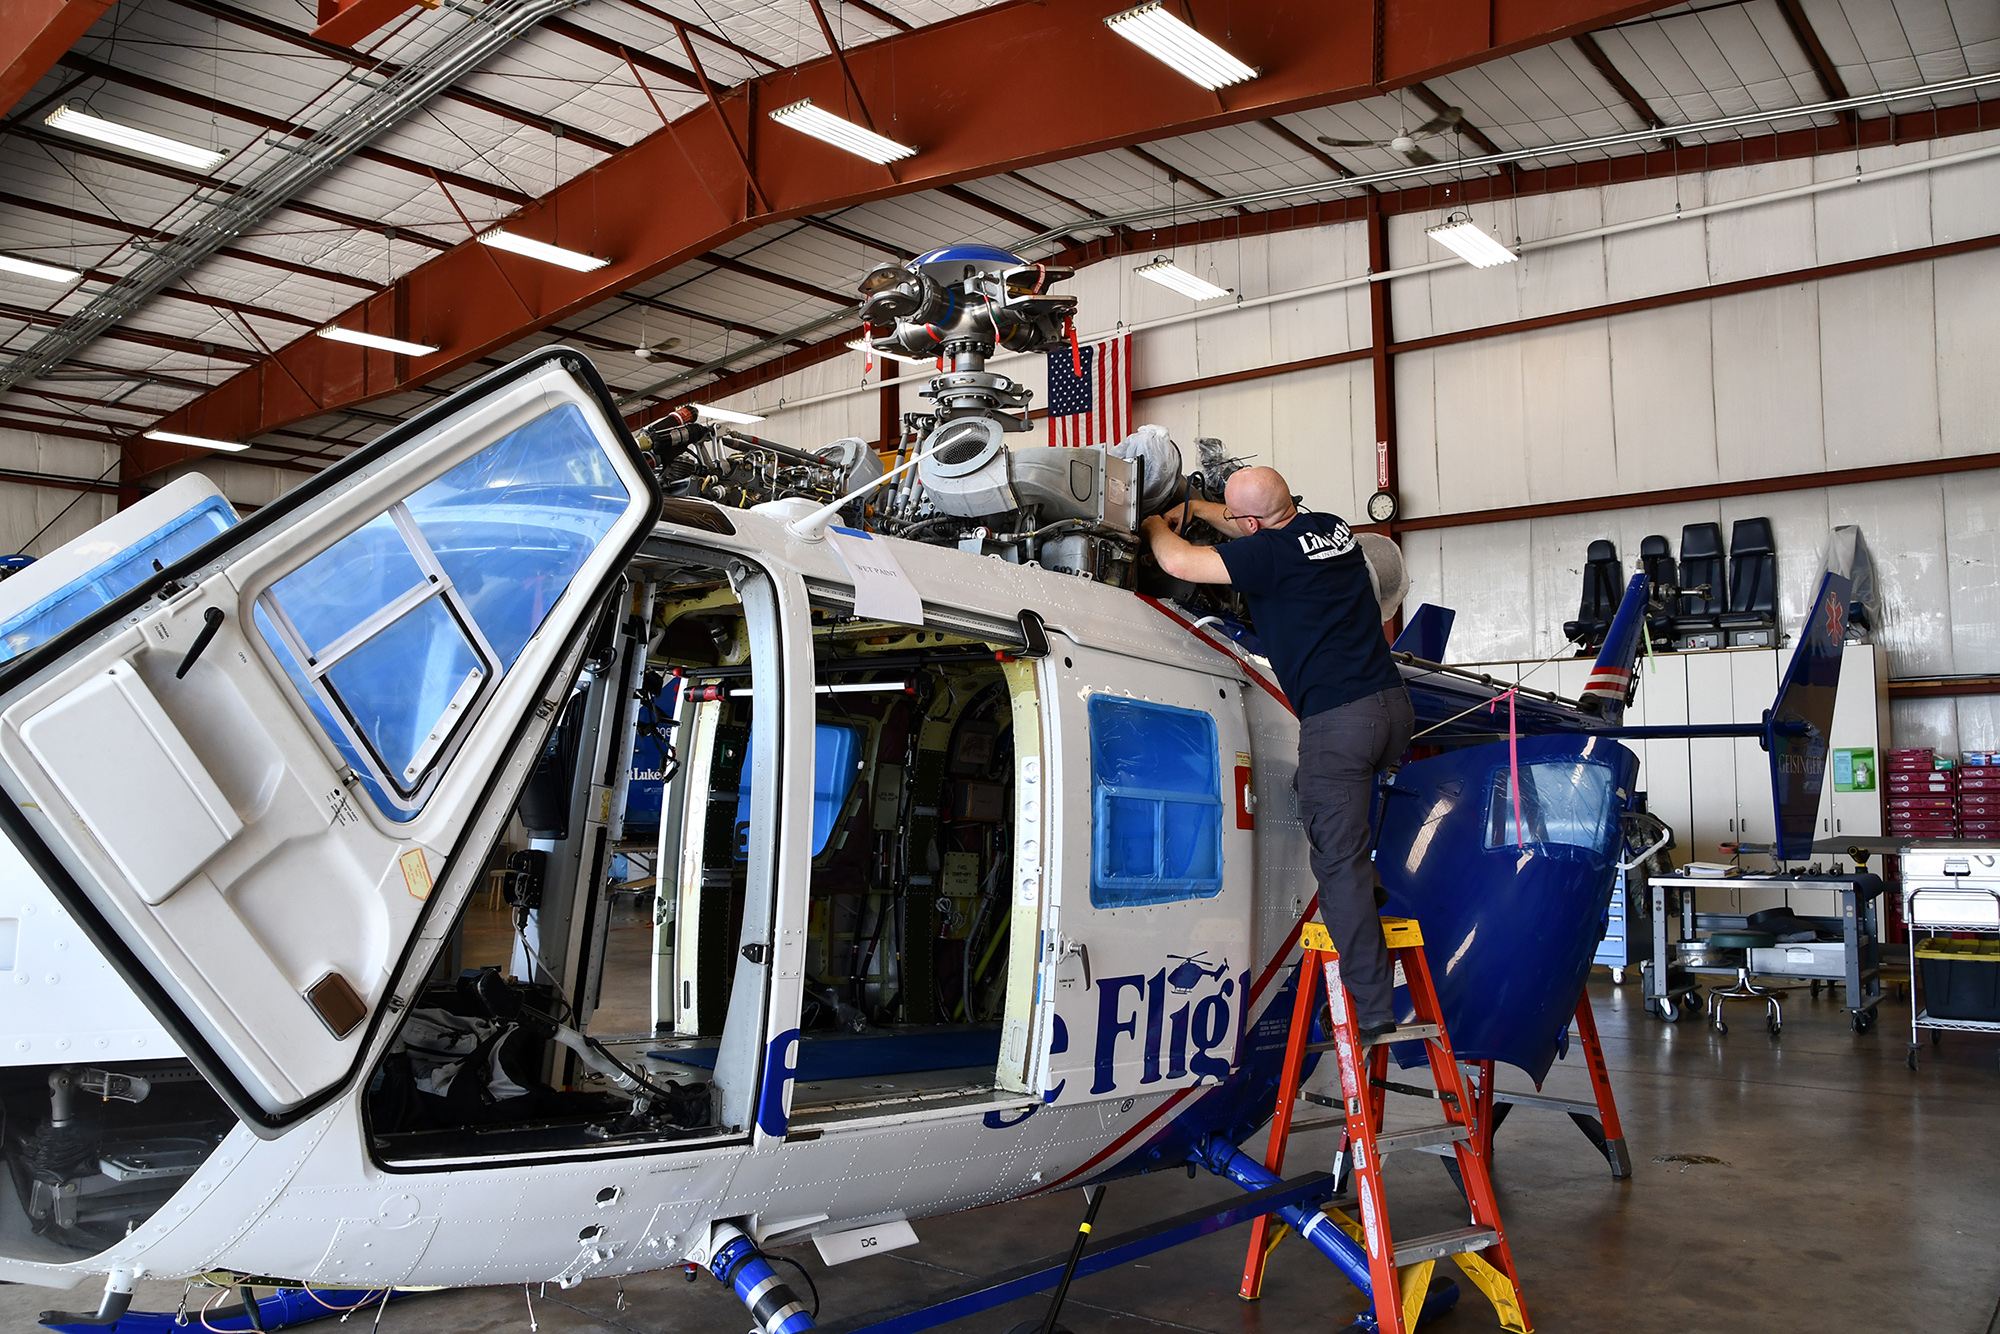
point(1603, 586)
point(1698, 622)
point(1752, 617)
point(1656, 558)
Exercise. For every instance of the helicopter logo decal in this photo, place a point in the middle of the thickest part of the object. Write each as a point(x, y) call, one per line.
point(1190, 973)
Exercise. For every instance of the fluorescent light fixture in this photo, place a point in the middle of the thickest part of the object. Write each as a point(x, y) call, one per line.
point(1169, 274)
point(48, 273)
point(726, 415)
point(860, 346)
point(72, 121)
point(1463, 238)
point(376, 341)
point(199, 441)
point(806, 118)
point(502, 239)
point(1162, 35)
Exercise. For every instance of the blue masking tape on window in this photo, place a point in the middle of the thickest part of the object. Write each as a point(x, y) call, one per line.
point(1568, 804)
point(1156, 803)
point(86, 593)
point(835, 751)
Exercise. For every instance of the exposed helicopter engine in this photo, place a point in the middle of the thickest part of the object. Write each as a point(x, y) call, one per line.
point(1073, 510)
point(700, 459)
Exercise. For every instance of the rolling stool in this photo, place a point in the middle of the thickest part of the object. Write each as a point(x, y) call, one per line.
point(1744, 989)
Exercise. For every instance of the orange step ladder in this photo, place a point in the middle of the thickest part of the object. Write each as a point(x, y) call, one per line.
point(1399, 1273)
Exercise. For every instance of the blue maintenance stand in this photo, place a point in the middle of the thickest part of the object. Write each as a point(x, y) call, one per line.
point(983, 1294)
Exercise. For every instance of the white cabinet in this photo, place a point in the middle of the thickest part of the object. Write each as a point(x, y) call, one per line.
point(1753, 678)
point(1712, 760)
point(1662, 701)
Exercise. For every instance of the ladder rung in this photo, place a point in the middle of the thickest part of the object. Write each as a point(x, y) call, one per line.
point(1420, 1137)
point(1405, 1033)
point(1440, 1244)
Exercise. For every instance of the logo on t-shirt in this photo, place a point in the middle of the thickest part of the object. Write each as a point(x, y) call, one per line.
point(1325, 546)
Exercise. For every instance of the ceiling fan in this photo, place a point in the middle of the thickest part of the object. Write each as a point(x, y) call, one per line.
point(645, 353)
point(1405, 143)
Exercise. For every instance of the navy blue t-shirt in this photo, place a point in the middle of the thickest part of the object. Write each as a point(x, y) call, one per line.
point(1316, 612)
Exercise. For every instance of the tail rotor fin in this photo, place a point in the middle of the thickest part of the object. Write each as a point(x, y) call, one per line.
point(1610, 684)
point(1426, 633)
point(1799, 721)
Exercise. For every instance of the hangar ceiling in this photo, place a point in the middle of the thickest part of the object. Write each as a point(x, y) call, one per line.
point(584, 84)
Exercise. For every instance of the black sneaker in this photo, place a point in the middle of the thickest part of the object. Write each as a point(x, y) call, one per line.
point(1373, 1033)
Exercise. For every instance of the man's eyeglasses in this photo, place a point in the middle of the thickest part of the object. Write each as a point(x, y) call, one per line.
point(1238, 518)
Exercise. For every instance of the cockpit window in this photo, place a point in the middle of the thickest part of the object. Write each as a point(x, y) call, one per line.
point(397, 634)
point(1568, 804)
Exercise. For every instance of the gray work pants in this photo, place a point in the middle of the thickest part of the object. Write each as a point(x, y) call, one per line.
point(1340, 752)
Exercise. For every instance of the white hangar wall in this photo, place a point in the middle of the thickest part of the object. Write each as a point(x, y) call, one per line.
point(1890, 365)
point(26, 508)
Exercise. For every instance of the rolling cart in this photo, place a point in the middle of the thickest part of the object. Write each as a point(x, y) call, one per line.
point(1852, 963)
point(1948, 887)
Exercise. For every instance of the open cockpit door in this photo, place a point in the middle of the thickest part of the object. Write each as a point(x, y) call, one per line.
point(254, 776)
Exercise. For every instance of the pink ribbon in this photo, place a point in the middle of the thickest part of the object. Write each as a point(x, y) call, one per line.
point(1513, 762)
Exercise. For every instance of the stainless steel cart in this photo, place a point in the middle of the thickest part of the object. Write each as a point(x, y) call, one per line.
point(1948, 886)
point(1671, 990)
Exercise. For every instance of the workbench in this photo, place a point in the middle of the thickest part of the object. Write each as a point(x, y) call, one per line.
point(1671, 990)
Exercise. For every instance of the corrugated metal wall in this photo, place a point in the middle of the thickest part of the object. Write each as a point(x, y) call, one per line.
point(1887, 366)
point(27, 508)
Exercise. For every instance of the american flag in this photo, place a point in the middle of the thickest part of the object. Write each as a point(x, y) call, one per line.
point(1096, 407)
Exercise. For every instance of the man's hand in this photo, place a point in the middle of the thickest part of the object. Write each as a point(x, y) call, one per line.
point(1180, 558)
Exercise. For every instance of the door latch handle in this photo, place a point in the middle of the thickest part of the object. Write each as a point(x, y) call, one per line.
point(1082, 952)
point(211, 622)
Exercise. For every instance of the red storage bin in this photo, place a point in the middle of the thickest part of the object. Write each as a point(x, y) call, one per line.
point(1912, 805)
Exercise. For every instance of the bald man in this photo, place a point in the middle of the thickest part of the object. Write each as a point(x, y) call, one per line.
point(1321, 626)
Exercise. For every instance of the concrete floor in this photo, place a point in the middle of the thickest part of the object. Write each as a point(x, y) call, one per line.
point(1852, 1194)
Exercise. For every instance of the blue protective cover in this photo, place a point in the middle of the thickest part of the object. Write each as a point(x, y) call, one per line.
point(836, 752)
point(968, 252)
point(1509, 930)
point(651, 760)
point(1156, 803)
point(87, 592)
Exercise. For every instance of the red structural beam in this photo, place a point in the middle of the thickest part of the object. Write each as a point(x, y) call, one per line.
point(1910, 127)
point(34, 34)
point(1073, 87)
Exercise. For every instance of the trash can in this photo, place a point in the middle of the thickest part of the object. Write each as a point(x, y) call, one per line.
point(1961, 978)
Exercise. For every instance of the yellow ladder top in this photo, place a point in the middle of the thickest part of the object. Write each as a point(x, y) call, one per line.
point(1400, 932)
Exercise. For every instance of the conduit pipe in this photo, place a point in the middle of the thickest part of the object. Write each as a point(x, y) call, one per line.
point(1525, 247)
point(1218, 1155)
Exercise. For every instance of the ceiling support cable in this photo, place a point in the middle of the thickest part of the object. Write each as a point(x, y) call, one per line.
point(272, 179)
point(369, 65)
point(1621, 85)
point(708, 91)
point(1822, 64)
point(853, 88)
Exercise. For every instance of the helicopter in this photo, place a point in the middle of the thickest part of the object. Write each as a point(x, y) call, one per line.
point(931, 825)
